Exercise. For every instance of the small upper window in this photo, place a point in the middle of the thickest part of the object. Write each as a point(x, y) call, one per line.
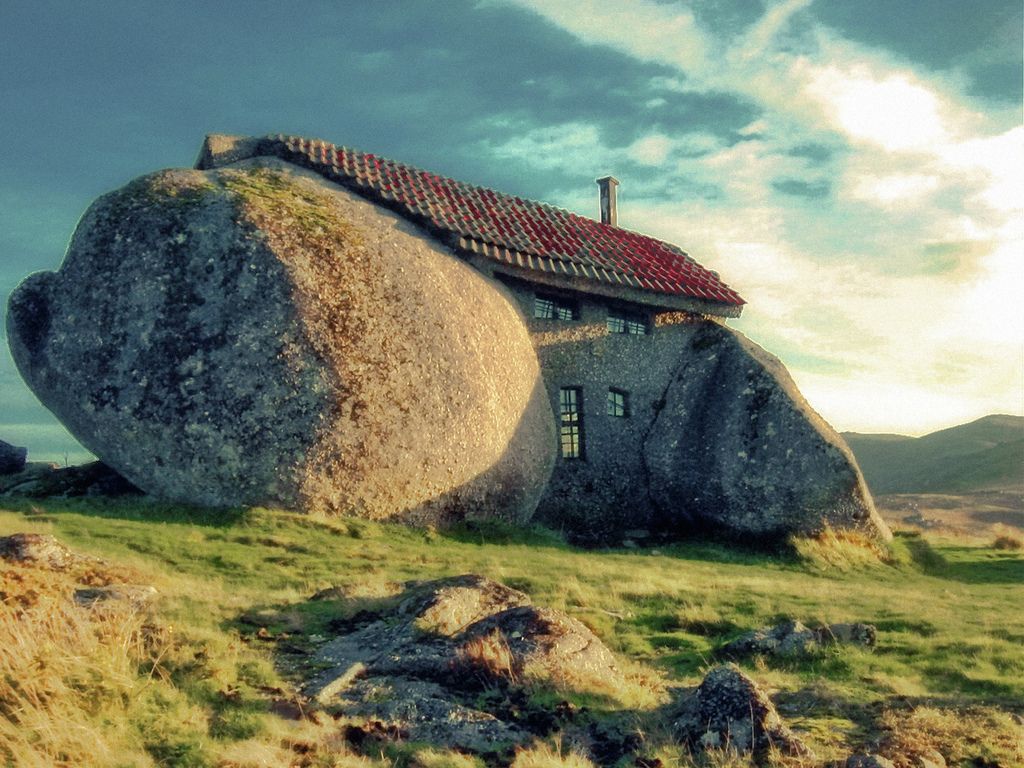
point(552, 308)
point(624, 322)
point(618, 403)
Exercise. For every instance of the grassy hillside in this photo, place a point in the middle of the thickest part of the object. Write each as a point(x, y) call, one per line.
point(986, 454)
point(204, 680)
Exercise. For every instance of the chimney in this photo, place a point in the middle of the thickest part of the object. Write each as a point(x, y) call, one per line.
point(607, 185)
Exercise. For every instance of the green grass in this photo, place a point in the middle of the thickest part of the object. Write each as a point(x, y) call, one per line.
point(949, 616)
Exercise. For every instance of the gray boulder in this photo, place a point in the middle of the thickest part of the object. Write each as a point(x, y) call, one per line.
point(258, 335)
point(12, 458)
point(729, 711)
point(735, 447)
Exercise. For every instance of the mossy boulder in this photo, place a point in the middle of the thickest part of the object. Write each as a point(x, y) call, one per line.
point(257, 335)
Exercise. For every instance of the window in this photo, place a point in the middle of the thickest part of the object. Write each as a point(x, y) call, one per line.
point(624, 322)
point(570, 401)
point(618, 403)
point(551, 308)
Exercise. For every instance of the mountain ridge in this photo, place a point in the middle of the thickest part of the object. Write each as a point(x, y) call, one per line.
point(984, 454)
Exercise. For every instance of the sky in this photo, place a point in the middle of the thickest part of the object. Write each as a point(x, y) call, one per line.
point(854, 169)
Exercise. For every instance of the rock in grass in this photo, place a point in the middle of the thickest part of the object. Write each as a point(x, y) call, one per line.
point(136, 596)
point(792, 638)
point(729, 710)
point(258, 335)
point(736, 447)
point(12, 458)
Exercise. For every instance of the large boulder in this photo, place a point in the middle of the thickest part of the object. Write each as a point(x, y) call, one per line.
point(735, 447)
point(257, 335)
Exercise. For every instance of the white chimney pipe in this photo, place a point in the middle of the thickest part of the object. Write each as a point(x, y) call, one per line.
point(609, 214)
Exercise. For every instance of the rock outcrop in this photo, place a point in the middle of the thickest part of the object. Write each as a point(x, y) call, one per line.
point(421, 667)
point(735, 447)
point(257, 335)
point(12, 458)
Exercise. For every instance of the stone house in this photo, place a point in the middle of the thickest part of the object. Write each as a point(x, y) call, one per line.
point(608, 310)
point(300, 324)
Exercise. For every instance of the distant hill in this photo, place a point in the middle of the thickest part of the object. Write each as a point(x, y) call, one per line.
point(987, 454)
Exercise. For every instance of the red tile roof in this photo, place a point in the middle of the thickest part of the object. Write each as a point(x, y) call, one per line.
point(510, 229)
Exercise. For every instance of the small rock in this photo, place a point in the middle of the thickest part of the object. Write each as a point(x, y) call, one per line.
point(729, 709)
point(930, 758)
point(38, 548)
point(12, 458)
point(869, 761)
point(136, 595)
point(849, 633)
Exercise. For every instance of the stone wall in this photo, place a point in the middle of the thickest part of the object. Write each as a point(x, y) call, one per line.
point(606, 492)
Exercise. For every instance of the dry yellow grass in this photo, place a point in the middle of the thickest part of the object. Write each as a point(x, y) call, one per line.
point(490, 656)
point(67, 672)
point(542, 755)
point(840, 550)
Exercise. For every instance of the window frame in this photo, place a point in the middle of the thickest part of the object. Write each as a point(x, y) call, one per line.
point(617, 403)
point(562, 309)
point(570, 423)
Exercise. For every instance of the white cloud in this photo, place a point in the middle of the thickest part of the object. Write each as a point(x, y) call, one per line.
point(895, 187)
point(880, 331)
point(650, 150)
point(893, 111)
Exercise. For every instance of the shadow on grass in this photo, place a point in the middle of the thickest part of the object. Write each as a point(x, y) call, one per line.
point(483, 532)
point(979, 565)
point(967, 564)
point(130, 508)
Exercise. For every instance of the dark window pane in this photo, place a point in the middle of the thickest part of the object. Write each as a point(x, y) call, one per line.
point(636, 327)
point(551, 308)
point(624, 322)
point(543, 308)
point(618, 403)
